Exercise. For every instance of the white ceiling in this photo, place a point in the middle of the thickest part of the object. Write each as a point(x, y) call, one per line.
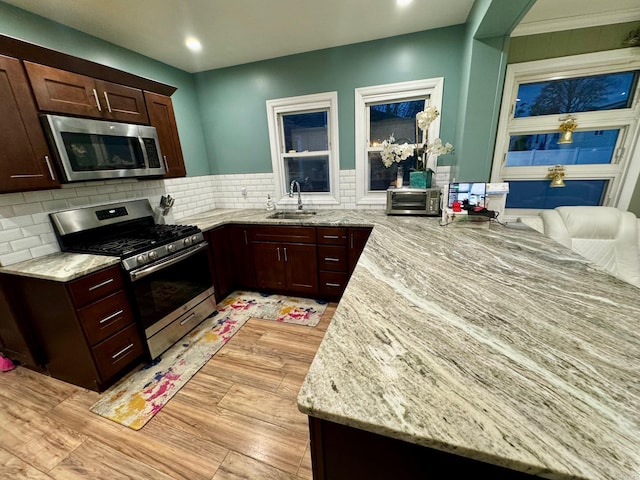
point(233, 32)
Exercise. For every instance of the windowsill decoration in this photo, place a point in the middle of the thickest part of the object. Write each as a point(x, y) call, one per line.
point(396, 153)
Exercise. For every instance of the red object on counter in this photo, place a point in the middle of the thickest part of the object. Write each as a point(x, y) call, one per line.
point(456, 207)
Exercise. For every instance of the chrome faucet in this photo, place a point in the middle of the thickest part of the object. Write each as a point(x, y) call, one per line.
point(291, 192)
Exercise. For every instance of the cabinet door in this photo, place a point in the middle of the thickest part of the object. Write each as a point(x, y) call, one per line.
point(223, 268)
point(357, 240)
point(122, 103)
point(245, 273)
point(301, 268)
point(162, 117)
point(269, 260)
point(24, 156)
point(63, 92)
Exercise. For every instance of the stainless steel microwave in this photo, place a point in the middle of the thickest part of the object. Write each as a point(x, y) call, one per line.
point(413, 201)
point(97, 150)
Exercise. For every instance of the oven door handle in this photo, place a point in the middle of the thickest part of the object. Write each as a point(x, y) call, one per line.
point(159, 265)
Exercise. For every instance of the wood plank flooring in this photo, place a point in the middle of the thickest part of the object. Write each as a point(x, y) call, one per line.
point(237, 418)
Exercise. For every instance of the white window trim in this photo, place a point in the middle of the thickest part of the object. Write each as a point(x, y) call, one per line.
point(624, 172)
point(431, 87)
point(317, 101)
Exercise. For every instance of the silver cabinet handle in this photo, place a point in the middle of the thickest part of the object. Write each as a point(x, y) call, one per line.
point(121, 352)
point(246, 241)
point(106, 99)
point(113, 315)
point(285, 255)
point(190, 317)
point(351, 241)
point(332, 284)
point(278, 253)
point(166, 164)
point(329, 259)
point(25, 175)
point(46, 159)
point(106, 282)
point(95, 94)
point(331, 236)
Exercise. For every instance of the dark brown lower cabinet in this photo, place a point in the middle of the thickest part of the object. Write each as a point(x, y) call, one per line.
point(242, 253)
point(83, 330)
point(339, 452)
point(222, 267)
point(290, 267)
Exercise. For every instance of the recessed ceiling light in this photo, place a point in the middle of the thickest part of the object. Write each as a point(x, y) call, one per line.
point(193, 44)
point(403, 3)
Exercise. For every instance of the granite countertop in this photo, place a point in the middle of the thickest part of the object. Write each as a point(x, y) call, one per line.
point(497, 344)
point(61, 266)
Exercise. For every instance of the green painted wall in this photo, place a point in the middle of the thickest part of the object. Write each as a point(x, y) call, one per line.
point(484, 66)
point(20, 24)
point(233, 99)
point(575, 42)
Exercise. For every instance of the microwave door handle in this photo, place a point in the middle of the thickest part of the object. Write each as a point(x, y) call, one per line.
point(95, 95)
point(143, 272)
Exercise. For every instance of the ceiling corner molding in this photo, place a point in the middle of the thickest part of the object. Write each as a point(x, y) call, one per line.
point(579, 21)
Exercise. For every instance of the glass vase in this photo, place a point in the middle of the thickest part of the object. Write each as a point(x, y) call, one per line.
point(399, 177)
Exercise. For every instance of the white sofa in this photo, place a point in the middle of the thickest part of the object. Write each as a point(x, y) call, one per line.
point(608, 237)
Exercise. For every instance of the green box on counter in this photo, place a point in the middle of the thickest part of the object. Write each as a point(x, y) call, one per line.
point(420, 178)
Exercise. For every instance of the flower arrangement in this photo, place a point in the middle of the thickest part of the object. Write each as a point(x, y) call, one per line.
point(424, 119)
point(392, 152)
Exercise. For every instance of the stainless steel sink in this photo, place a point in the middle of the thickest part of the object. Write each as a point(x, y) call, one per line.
point(293, 215)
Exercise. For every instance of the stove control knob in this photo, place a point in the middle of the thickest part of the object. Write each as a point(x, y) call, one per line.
point(141, 259)
point(153, 255)
point(171, 248)
point(194, 239)
point(186, 242)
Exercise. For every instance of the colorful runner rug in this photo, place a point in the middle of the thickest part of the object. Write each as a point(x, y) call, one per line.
point(139, 396)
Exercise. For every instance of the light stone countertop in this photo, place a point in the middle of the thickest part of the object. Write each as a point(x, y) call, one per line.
point(495, 344)
point(61, 266)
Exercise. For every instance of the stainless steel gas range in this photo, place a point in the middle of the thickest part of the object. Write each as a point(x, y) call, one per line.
point(167, 266)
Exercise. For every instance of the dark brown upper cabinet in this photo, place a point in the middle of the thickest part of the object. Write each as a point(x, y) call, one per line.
point(60, 91)
point(162, 117)
point(25, 161)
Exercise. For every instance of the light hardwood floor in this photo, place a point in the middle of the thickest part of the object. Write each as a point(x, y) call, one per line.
point(237, 418)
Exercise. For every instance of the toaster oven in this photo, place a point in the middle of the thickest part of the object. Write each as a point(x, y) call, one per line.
point(413, 201)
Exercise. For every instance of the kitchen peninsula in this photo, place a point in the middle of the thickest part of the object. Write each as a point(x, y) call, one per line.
point(490, 345)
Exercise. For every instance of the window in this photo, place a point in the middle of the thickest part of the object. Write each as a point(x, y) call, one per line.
point(382, 111)
point(600, 91)
point(303, 133)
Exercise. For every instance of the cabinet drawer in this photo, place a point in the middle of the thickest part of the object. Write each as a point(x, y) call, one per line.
point(118, 351)
point(332, 236)
point(332, 284)
point(105, 317)
point(95, 286)
point(332, 257)
point(283, 234)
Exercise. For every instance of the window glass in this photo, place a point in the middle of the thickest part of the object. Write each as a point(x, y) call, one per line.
point(387, 119)
point(588, 147)
point(535, 194)
point(381, 177)
point(312, 173)
point(580, 94)
point(305, 132)
point(397, 119)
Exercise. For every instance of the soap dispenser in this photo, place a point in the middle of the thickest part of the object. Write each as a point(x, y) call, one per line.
point(270, 204)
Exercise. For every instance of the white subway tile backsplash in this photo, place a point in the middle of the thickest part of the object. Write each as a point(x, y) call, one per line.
point(15, 257)
point(26, 228)
point(25, 243)
point(11, 199)
point(28, 209)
